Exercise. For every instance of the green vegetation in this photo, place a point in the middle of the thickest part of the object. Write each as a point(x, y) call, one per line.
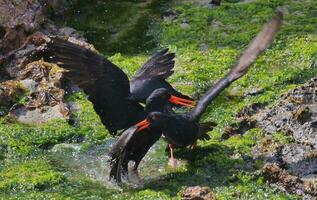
point(207, 42)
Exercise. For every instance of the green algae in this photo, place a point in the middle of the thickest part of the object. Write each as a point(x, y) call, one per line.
point(205, 50)
point(29, 176)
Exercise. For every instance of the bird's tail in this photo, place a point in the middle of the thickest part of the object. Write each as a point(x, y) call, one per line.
point(117, 167)
point(204, 128)
point(118, 161)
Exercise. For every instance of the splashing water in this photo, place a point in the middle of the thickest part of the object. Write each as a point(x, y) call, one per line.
point(93, 162)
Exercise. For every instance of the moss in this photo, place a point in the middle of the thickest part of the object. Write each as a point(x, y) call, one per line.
point(29, 176)
point(248, 186)
point(12, 92)
point(245, 143)
point(283, 138)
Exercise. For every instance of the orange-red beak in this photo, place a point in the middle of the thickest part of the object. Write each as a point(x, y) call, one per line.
point(182, 102)
point(142, 125)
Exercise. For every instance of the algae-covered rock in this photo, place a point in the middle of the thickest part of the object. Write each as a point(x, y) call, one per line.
point(293, 116)
point(274, 174)
point(295, 113)
point(45, 100)
point(11, 92)
point(198, 193)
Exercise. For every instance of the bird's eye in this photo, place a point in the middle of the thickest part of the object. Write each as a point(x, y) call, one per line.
point(153, 117)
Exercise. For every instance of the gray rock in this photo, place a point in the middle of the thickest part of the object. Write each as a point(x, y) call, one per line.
point(30, 84)
point(39, 116)
point(300, 160)
point(296, 113)
point(198, 193)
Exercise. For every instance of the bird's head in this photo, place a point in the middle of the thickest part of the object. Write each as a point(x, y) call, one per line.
point(160, 97)
point(153, 120)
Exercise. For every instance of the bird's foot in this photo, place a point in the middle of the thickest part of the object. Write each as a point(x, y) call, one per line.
point(137, 180)
point(172, 163)
point(135, 175)
point(192, 146)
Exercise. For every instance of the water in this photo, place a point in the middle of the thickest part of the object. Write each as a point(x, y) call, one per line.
point(116, 26)
point(93, 162)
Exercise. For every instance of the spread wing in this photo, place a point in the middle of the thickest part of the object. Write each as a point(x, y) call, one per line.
point(160, 65)
point(152, 75)
point(263, 39)
point(106, 85)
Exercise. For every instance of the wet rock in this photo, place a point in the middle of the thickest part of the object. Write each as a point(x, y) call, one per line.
point(245, 122)
point(302, 114)
point(82, 43)
point(46, 97)
point(266, 149)
point(293, 166)
point(295, 113)
point(46, 77)
point(238, 128)
point(275, 175)
point(19, 19)
point(21, 13)
point(30, 85)
point(24, 26)
point(300, 160)
point(42, 72)
point(198, 193)
point(248, 111)
point(58, 6)
point(38, 116)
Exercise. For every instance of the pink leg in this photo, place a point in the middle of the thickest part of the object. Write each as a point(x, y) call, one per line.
point(172, 161)
point(193, 146)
